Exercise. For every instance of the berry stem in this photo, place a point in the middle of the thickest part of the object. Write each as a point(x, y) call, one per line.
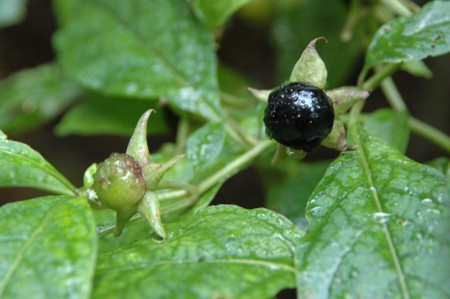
point(428, 132)
point(182, 134)
point(235, 166)
point(398, 7)
point(393, 95)
point(381, 74)
point(418, 127)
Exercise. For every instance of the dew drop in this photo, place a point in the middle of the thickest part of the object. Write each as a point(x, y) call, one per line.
point(131, 88)
point(426, 200)
point(381, 217)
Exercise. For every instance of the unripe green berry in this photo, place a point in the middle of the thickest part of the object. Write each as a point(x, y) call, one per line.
point(119, 183)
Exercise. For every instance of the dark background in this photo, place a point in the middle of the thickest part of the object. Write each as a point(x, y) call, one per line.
point(244, 46)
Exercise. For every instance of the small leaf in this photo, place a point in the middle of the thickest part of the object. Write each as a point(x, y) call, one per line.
point(205, 144)
point(426, 33)
point(32, 97)
point(109, 116)
point(377, 227)
point(389, 125)
point(221, 252)
point(48, 250)
point(24, 167)
point(217, 12)
point(443, 165)
point(12, 12)
point(141, 49)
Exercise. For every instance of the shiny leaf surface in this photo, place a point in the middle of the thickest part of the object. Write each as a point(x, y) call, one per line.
point(142, 49)
point(24, 167)
point(377, 227)
point(390, 125)
point(48, 248)
point(426, 33)
point(205, 144)
point(33, 96)
point(222, 251)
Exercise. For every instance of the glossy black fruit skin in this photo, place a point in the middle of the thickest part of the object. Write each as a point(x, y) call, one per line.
point(299, 116)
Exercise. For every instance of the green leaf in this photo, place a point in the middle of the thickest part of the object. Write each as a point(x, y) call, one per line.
point(307, 18)
point(391, 126)
point(48, 248)
point(217, 12)
point(24, 167)
point(34, 96)
point(12, 12)
point(221, 252)
point(377, 228)
point(143, 49)
point(443, 165)
point(205, 144)
point(102, 115)
point(426, 33)
point(290, 186)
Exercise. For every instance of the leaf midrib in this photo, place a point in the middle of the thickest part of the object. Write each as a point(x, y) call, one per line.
point(373, 190)
point(140, 40)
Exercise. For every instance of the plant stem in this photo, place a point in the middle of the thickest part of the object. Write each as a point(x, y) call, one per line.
point(224, 173)
point(398, 7)
point(235, 166)
point(428, 132)
point(381, 74)
point(418, 127)
point(182, 134)
point(392, 94)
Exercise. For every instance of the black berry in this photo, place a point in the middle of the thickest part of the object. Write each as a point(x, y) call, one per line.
point(299, 116)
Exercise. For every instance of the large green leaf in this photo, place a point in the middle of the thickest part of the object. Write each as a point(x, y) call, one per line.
point(33, 96)
point(24, 167)
point(48, 248)
point(100, 115)
point(391, 126)
point(377, 228)
point(144, 49)
point(218, 11)
point(426, 33)
point(221, 252)
point(299, 23)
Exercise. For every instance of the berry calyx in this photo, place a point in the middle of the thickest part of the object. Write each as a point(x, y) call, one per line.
point(299, 116)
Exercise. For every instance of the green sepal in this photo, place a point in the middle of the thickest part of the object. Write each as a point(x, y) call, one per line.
point(296, 153)
point(153, 172)
point(310, 67)
point(138, 147)
point(345, 97)
point(122, 218)
point(337, 139)
point(261, 94)
point(88, 178)
point(149, 209)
